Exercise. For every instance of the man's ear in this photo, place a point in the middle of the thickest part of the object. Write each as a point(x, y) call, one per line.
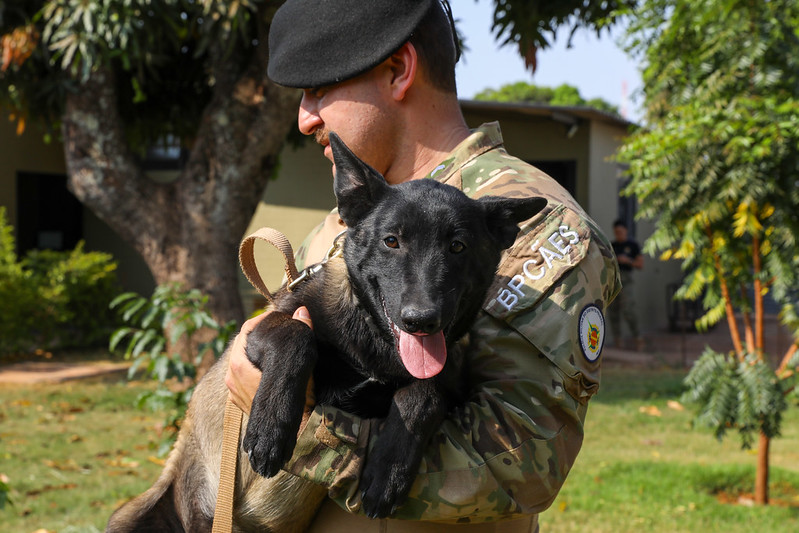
point(503, 215)
point(403, 65)
point(358, 186)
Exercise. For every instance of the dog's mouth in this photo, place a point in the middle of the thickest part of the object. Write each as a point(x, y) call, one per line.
point(422, 355)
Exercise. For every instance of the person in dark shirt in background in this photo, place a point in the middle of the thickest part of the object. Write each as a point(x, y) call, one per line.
point(628, 254)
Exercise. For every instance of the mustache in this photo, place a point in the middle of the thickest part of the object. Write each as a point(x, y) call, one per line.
point(322, 137)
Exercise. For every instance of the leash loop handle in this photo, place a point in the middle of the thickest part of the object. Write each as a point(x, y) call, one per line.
point(247, 258)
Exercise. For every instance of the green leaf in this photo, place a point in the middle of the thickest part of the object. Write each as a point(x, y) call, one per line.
point(117, 336)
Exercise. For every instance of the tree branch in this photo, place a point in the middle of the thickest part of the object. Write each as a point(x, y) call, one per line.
point(103, 173)
point(729, 309)
point(758, 290)
point(748, 331)
point(786, 359)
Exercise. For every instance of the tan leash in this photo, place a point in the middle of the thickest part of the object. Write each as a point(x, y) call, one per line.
point(223, 512)
point(247, 258)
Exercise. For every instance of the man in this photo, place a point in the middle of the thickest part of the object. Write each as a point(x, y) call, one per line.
point(380, 73)
point(628, 254)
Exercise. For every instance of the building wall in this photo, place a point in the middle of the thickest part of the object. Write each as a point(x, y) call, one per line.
point(24, 153)
point(602, 188)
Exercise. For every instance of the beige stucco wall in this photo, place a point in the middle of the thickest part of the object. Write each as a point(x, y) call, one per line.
point(603, 188)
point(294, 203)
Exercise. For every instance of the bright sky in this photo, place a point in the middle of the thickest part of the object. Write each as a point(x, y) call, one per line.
point(596, 66)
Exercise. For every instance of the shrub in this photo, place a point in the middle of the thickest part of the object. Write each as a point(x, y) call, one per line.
point(52, 299)
point(80, 286)
point(159, 332)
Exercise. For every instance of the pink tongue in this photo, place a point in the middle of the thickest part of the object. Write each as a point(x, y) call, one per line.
point(423, 355)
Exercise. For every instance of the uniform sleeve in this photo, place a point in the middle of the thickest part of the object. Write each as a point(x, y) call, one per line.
point(507, 451)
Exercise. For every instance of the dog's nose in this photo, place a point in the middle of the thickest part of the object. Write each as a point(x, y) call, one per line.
point(415, 320)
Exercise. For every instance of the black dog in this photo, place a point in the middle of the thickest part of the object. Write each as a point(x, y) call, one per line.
point(418, 260)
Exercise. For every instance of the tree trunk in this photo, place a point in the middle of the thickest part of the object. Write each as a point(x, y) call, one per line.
point(188, 230)
point(762, 471)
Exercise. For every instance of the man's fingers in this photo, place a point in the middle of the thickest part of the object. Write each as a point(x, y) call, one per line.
point(303, 316)
point(242, 377)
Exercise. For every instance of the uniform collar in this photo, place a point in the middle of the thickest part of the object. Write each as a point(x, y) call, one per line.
point(487, 137)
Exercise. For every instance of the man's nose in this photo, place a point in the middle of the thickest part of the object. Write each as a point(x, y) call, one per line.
point(308, 119)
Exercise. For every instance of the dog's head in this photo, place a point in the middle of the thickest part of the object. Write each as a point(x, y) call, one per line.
point(421, 255)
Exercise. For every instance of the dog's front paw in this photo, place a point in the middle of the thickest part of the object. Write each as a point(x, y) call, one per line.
point(384, 486)
point(268, 444)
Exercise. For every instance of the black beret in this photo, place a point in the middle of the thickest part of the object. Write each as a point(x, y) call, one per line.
point(313, 43)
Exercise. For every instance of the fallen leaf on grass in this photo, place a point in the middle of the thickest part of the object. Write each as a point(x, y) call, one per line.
point(677, 406)
point(651, 442)
point(650, 410)
point(49, 488)
point(122, 473)
point(66, 407)
point(160, 461)
point(122, 462)
point(67, 466)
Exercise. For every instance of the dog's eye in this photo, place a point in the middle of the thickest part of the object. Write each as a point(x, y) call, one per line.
point(391, 241)
point(456, 247)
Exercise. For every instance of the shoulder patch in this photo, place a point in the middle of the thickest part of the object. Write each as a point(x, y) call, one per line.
point(591, 328)
point(541, 256)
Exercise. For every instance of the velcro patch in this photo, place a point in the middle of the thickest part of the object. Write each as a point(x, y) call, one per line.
point(592, 332)
point(537, 261)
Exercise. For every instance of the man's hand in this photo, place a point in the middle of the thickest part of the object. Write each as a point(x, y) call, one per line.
point(242, 377)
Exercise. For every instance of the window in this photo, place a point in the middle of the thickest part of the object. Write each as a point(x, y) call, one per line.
point(563, 171)
point(49, 217)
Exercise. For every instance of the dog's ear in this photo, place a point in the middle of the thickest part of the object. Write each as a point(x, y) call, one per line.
point(358, 186)
point(503, 215)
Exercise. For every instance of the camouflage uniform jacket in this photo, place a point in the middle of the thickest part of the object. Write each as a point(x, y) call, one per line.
point(506, 453)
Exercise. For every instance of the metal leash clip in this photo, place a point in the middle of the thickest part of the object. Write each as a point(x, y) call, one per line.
point(336, 249)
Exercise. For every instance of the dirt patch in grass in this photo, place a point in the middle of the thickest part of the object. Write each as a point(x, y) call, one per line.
point(780, 495)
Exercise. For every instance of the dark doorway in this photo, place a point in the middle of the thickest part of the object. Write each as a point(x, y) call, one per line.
point(564, 172)
point(49, 217)
point(627, 207)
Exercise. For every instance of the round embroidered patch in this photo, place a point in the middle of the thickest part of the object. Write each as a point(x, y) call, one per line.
point(592, 332)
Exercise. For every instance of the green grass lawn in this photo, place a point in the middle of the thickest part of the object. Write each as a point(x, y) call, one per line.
point(643, 468)
point(74, 452)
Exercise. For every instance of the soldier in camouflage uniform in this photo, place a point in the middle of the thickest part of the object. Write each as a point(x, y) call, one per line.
point(501, 458)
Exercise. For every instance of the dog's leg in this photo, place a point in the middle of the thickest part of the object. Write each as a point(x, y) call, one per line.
point(285, 351)
point(416, 411)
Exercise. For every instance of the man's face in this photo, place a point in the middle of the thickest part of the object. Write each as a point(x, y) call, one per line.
point(359, 111)
point(620, 233)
